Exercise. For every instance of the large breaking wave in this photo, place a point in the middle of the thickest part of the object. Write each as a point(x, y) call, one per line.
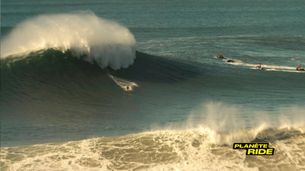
point(84, 34)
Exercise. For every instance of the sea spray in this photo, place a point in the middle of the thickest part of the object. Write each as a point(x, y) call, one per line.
point(84, 34)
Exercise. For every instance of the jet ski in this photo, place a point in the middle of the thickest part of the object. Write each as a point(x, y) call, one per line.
point(230, 61)
point(221, 56)
point(259, 67)
point(300, 68)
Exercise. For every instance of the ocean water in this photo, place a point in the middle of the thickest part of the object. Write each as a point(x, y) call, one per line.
point(137, 85)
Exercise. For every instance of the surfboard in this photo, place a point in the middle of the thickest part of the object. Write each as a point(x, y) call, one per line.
point(126, 85)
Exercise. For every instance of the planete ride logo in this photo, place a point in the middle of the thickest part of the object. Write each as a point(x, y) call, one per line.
point(255, 148)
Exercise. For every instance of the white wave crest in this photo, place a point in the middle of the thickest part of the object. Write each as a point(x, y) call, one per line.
point(102, 41)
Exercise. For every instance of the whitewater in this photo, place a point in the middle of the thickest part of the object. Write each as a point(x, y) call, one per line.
point(198, 144)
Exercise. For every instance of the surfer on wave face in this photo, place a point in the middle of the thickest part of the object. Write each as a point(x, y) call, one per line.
point(128, 88)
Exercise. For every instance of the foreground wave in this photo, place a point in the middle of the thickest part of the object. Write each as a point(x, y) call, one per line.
point(84, 34)
point(198, 144)
point(199, 148)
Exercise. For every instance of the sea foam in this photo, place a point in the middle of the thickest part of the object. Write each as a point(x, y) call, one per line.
point(201, 144)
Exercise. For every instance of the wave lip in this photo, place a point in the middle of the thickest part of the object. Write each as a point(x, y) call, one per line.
point(84, 34)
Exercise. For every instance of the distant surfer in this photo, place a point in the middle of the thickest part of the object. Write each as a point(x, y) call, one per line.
point(300, 68)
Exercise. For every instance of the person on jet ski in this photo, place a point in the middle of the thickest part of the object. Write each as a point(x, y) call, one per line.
point(300, 68)
point(221, 56)
point(259, 66)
